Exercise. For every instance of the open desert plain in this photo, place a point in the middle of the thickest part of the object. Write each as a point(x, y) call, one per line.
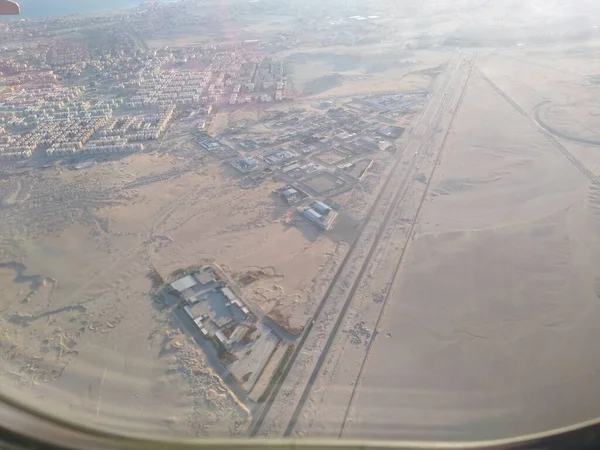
point(230, 219)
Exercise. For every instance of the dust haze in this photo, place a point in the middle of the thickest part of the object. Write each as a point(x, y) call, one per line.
point(374, 219)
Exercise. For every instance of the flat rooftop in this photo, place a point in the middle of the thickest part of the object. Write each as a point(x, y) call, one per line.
point(184, 283)
point(214, 304)
point(190, 285)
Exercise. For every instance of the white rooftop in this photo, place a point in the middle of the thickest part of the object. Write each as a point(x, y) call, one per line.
point(184, 283)
point(228, 293)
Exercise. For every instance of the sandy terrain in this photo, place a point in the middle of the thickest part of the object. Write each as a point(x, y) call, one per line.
point(80, 326)
point(310, 390)
point(243, 229)
point(344, 72)
point(488, 328)
point(85, 332)
point(491, 322)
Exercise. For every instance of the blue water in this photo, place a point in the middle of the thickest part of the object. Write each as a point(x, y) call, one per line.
point(35, 9)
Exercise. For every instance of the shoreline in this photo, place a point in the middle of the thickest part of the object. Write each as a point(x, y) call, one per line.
point(74, 10)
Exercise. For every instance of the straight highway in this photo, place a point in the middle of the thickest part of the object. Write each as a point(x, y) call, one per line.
point(333, 393)
point(282, 411)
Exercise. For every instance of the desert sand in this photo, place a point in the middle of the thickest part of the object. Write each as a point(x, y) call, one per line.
point(84, 331)
point(476, 314)
point(490, 326)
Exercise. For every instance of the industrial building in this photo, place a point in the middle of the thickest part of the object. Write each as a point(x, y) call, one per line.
point(278, 156)
point(320, 214)
point(391, 132)
point(213, 306)
point(245, 165)
point(292, 195)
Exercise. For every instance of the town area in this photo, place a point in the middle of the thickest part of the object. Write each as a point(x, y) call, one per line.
point(224, 185)
point(302, 219)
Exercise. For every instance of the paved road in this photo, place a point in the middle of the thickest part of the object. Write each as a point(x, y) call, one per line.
point(549, 132)
point(281, 412)
point(331, 394)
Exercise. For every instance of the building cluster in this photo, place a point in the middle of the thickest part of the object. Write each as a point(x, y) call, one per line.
point(216, 147)
point(111, 145)
point(118, 70)
point(278, 156)
point(176, 87)
point(262, 81)
point(225, 79)
point(214, 307)
point(391, 107)
point(318, 153)
point(320, 214)
point(29, 106)
point(69, 137)
point(202, 115)
point(245, 164)
point(67, 52)
point(122, 61)
point(59, 120)
point(299, 168)
point(205, 75)
point(244, 343)
point(9, 67)
point(292, 195)
point(115, 135)
point(63, 137)
point(15, 147)
point(135, 128)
